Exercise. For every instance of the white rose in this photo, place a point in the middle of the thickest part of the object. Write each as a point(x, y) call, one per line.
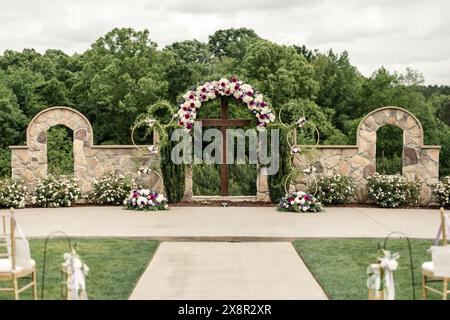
point(247, 98)
point(259, 98)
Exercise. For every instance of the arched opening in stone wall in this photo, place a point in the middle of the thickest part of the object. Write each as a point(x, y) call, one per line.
point(389, 150)
point(60, 159)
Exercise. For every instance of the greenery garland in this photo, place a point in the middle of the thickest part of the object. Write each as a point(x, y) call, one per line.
point(277, 181)
point(173, 174)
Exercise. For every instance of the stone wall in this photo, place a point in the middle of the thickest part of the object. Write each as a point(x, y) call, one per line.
point(420, 162)
point(90, 161)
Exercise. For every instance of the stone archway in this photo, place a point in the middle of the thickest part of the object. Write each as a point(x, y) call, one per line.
point(420, 163)
point(37, 140)
point(412, 135)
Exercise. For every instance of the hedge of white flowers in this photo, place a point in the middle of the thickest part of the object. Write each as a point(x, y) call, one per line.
point(111, 189)
point(13, 193)
point(441, 191)
point(334, 189)
point(56, 191)
point(392, 191)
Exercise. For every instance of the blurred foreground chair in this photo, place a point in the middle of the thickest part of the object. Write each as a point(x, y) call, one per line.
point(438, 270)
point(15, 261)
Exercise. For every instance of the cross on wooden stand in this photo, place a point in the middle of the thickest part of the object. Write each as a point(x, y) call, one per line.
point(224, 122)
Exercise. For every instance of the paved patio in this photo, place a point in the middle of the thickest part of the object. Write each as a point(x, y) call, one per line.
point(232, 223)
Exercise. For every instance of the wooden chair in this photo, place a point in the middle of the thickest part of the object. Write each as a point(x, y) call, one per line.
point(15, 263)
point(428, 275)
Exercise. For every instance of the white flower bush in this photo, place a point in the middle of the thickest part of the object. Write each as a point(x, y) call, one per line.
point(392, 191)
point(56, 191)
point(111, 189)
point(13, 193)
point(441, 191)
point(334, 189)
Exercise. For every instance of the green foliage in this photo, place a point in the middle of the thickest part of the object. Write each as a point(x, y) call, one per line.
point(231, 42)
point(173, 174)
point(334, 189)
point(60, 151)
point(206, 179)
point(389, 150)
point(122, 74)
point(277, 181)
point(393, 191)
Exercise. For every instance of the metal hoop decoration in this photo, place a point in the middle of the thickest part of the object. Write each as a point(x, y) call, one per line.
point(157, 124)
point(279, 114)
point(294, 169)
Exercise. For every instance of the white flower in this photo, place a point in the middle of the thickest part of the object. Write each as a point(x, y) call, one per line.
point(247, 99)
point(301, 122)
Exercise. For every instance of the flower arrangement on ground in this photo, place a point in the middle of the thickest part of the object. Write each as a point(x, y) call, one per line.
point(441, 191)
point(56, 191)
point(111, 189)
point(254, 100)
point(146, 199)
point(300, 202)
point(392, 191)
point(335, 189)
point(12, 193)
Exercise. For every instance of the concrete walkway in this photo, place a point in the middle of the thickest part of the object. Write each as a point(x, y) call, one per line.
point(233, 223)
point(207, 270)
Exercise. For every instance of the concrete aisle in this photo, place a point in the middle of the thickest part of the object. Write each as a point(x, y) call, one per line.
point(227, 270)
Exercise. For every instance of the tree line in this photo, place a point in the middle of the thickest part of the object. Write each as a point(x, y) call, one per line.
point(124, 72)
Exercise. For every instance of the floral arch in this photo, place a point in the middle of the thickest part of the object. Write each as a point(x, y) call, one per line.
point(254, 100)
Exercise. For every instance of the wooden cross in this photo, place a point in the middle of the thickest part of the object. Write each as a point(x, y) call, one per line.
point(224, 122)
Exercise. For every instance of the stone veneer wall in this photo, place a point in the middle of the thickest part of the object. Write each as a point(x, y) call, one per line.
point(90, 162)
point(420, 162)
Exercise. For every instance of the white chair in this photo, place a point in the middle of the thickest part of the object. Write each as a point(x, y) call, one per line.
point(440, 257)
point(16, 262)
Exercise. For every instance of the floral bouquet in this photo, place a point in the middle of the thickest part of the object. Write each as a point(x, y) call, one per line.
point(145, 199)
point(300, 202)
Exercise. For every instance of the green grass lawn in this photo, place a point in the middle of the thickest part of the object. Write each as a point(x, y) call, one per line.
point(115, 266)
point(340, 265)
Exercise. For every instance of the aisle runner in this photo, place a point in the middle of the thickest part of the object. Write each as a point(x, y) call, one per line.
point(224, 270)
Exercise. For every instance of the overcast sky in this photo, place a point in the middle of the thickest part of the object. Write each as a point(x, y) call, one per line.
point(396, 34)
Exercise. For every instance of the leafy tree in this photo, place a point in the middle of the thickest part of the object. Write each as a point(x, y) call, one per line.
point(279, 72)
point(123, 73)
point(12, 126)
point(231, 42)
point(340, 87)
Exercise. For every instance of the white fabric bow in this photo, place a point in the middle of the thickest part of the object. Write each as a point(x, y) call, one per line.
point(389, 265)
point(76, 280)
